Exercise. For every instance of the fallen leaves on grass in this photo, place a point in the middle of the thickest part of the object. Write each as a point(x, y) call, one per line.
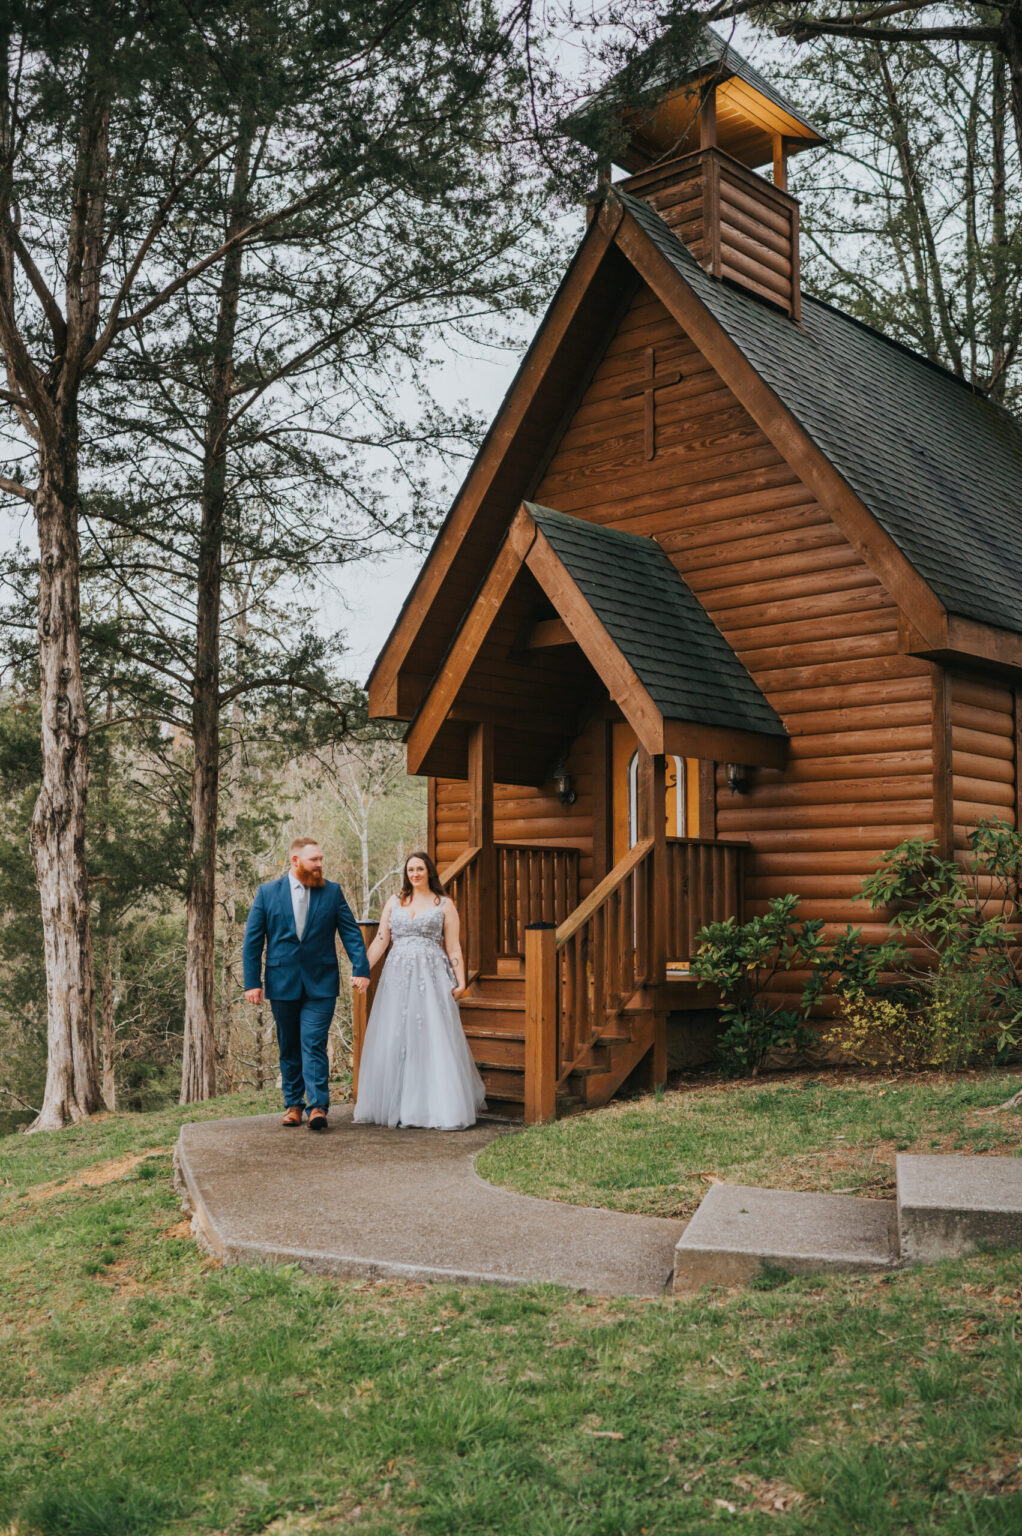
point(773, 1497)
point(994, 1479)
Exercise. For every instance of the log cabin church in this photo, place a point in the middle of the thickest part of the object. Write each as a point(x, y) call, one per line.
point(729, 604)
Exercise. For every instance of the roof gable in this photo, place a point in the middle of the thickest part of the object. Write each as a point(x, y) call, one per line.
point(936, 463)
point(921, 472)
point(658, 624)
point(639, 635)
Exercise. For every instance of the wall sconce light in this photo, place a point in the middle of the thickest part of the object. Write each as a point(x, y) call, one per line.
point(562, 783)
point(737, 781)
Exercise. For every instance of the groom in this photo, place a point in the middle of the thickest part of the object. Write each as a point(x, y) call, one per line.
point(296, 918)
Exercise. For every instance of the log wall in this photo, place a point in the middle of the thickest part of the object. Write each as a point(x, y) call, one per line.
point(983, 754)
point(526, 815)
point(801, 608)
point(793, 597)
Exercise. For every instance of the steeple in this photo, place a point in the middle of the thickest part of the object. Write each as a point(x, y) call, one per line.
point(696, 156)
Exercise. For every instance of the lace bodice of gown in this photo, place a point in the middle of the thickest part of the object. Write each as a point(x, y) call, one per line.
point(428, 927)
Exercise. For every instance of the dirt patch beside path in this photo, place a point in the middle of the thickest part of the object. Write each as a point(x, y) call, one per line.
point(93, 1177)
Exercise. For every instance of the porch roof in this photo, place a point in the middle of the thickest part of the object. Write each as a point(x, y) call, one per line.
point(659, 625)
point(569, 614)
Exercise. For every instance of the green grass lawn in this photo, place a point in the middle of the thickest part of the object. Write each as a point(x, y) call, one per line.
point(657, 1155)
point(145, 1391)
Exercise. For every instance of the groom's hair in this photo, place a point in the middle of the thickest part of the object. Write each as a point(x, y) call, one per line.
point(298, 843)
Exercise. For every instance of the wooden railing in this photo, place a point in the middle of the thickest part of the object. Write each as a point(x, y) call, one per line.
point(613, 950)
point(534, 885)
point(704, 885)
point(462, 883)
point(579, 975)
point(605, 953)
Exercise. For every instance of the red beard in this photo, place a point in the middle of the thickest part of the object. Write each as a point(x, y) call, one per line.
point(310, 877)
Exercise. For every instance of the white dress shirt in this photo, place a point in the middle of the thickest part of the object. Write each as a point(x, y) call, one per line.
point(299, 902)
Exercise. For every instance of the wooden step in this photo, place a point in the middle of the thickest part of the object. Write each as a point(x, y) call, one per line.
point(493, 1026)
point(511, 1111)
point(504, 1083)
point(469, 1004)
point(486, 1029)
point(498, 1051)
point(510, 987)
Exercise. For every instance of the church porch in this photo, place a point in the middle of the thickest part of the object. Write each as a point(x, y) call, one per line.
point(587, 681)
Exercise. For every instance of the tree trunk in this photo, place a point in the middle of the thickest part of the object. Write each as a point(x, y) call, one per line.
point(1012, 45)
point(106, 1026)
point(229, 905)
point(198, 1067)
point(58, 824)
point(259, 1052)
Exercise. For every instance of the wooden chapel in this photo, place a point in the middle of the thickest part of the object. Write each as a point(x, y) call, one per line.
point(729, 604)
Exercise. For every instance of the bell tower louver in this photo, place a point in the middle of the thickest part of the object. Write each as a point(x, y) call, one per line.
point(697, 158)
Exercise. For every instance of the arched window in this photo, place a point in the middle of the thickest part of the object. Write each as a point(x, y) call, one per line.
point(676, 798)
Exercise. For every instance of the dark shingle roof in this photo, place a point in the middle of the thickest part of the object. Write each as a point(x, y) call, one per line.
point(938, 465)
point(679, 655)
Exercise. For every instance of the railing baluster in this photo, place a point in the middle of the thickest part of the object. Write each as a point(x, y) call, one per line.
point(579, 1025)
point(598, 963)
point(642, 925)
point(627, 945)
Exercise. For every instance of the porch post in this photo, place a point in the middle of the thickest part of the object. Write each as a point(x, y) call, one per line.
point(540, 1025)
point(652, 822)
point(482, 915)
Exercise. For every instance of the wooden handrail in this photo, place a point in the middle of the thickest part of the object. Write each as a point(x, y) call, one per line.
point(607, 886)
point(713, 842)
point(461, 862)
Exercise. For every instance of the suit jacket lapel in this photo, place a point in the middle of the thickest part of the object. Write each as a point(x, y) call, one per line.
point(287, 905)
point(315, 893)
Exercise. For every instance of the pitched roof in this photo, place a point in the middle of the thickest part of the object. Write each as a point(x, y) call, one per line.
point(659, 626)
point(937, 463)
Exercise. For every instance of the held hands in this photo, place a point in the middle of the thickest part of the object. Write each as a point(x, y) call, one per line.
point(254, 995)
point(360, 983)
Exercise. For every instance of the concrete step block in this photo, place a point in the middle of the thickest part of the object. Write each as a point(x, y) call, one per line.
point(950, 1205)
point(738, 1229)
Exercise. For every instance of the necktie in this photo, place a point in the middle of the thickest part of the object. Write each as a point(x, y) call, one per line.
point(301, 909)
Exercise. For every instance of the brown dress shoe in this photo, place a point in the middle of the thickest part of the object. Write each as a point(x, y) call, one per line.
point(292, 1116)
point(318, 1120)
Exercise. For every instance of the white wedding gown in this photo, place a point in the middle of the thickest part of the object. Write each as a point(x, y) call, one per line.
point(416, 1067)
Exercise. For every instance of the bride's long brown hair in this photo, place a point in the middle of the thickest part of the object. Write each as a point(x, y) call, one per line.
point(404, 896)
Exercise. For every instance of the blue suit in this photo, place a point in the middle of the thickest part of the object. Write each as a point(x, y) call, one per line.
point(302, 978)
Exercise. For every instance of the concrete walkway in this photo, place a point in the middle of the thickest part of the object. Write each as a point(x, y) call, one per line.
point(406, 1204)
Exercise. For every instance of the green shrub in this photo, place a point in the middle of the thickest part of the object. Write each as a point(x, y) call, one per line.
point(950, 997)
point(742, 959)
point(961, 999)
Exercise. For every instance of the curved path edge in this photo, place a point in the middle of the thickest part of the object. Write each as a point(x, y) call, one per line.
point(371, 1203)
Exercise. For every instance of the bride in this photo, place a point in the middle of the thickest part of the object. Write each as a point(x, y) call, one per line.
point(416, 1067)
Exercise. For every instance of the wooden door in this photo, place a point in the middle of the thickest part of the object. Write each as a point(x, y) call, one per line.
point(682, 798)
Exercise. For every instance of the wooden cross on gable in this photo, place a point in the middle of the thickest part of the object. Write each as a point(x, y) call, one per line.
point(648, 387)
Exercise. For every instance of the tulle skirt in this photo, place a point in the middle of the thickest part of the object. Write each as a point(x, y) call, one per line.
point(416, 1066)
